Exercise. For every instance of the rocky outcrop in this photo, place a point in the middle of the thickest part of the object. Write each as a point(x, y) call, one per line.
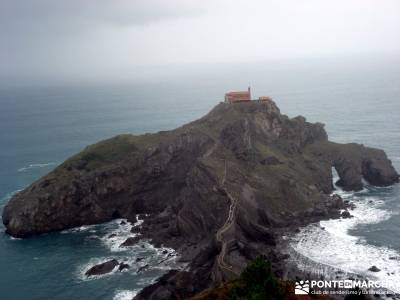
point(183, 284)
point(247, 163)
point(374, 269)
point(123, 266)
point(130, 241)
point(102, 268)
point(354, 162)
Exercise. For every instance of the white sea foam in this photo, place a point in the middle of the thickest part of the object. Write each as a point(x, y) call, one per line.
point(36, 166)
point(331, 244)
point(125, 295)
point(3, 202)
point(139, 256)
point(82, 228)
point(119, 231)
point(9, 195)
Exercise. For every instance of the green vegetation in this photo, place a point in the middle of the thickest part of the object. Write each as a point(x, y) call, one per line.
point(256, 282)
point(104, 152)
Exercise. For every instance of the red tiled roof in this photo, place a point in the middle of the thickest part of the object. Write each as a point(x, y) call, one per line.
point(238, 96)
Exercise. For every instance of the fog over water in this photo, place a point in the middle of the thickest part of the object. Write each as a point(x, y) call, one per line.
point(74, 41)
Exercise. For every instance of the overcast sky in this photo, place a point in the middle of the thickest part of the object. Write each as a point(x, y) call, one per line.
point(82, 39)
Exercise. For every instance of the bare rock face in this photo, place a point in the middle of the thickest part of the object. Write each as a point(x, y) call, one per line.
point(354, 162)
point(374, 269)
point(244, 168)
point(130, 241)
point(102, 268)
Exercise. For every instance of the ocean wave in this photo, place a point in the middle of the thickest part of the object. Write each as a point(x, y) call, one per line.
point(83, 228)
point(330, 243)
point(125, 295)
point(4, 200)
point(8, 196)
point(141, 256)
point(36, 166)
point(119, 231)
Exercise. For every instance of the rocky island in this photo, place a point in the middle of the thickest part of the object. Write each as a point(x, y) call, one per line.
point(221, 190)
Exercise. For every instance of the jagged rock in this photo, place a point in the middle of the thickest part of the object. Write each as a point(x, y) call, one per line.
point(336, 202)
point(135, 229)
point(374, 269)
point(123, 266)
point(183, 284)
point(130, 241)
point(143, 268)
point(102, 268)
point(346, 215)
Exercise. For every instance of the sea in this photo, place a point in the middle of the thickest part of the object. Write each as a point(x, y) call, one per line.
point(357, 97)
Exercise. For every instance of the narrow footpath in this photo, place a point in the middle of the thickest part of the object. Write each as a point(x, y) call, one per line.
point(228, 223)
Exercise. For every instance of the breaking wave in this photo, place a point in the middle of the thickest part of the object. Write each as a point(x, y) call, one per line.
point(3, 202)
point(125, 295)
point(8, 196)
point(330, 242)
point(36, 166)
point(142, 257)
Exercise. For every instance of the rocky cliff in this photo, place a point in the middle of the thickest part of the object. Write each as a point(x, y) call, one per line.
point(221, 186)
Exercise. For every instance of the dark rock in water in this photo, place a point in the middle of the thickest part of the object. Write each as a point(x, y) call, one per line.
point(394, 258)
point(122, 222)
point(130, 241)
point(141, 269)
point(183, 285)
point(165, 252)
point(112, 235)
point(336, 201)
point(346, 215)
point(135, 229)
point(123, 266)
point(374, 269)
point(139, 259)
point(102, 268)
